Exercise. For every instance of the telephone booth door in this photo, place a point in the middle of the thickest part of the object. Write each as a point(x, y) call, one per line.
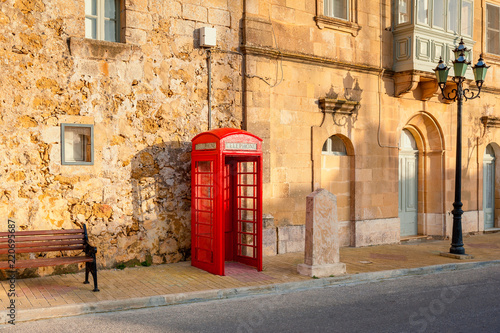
point(242, 211)
point(204, 238)
point(226, 199)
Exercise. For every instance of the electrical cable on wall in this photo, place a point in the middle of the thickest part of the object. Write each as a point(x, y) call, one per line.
point(278, 63)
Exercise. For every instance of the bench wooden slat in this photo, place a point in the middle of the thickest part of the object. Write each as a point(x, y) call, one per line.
point(42, 232)
point(42, 238)
point(43, 262)
point(48, 243)
point(44, 249)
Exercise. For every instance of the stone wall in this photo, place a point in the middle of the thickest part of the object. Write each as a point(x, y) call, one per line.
point(146, 97)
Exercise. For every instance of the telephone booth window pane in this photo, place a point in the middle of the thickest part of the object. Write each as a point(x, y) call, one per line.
point(246, 209)
point(247, 227)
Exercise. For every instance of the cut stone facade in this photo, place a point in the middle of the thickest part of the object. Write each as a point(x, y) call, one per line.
point(147, 97)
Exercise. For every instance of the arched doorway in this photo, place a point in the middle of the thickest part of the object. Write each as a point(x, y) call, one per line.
point(489, 187)
point(408, 184)
point(336, 174)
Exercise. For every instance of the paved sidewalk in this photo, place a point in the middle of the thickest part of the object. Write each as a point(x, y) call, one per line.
point(62, 295)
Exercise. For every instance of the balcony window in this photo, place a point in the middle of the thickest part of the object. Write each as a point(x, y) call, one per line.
point(453, 16)
point(438, 14)
point(467, 18)
point(423, 11)
point(404, 11)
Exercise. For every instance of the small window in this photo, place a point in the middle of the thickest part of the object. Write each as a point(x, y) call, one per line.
point(334, 146)
point(102, 20)
point(337, 8)
point(77, 144)
point(492, 29)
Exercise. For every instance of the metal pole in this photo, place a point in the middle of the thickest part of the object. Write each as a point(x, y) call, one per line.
point(457, 245)
point(209, 68)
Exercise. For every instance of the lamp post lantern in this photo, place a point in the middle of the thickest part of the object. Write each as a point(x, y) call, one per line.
point(458, 94)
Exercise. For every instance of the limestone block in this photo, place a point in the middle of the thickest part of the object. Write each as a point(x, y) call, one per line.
point(219, 17)
point(194, 13)
point(139, 20)
point(269, 242)
point(267, 221)
point(322, 256)
point(291, 239)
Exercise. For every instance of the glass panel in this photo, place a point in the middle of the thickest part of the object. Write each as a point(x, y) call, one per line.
point(247, 191)
point(246, 203)
point(247, 227)
point(438, 14)
point(90, 28)
point(204, 205)
point(493, 45)
point(77, 143)
point(204, 217)
point(110, 31)
point(493, 17)
point(246, 215)
point(246, 239)
point(205, 166)
point(110, 9)
point(423, 11)
point(493, 27)
point(453, 17)
point(340, 9)
point(325, 146)
point(467, 18)
point(246, 251)
point(90, 7)
point(338, 145)
point(404, 11)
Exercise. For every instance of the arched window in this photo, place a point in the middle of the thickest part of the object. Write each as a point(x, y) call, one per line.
point(334, 146)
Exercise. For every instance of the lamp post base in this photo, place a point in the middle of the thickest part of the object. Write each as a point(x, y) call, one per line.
point(456, 256)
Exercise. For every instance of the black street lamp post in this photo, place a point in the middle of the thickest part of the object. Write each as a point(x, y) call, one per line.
point(460, 65)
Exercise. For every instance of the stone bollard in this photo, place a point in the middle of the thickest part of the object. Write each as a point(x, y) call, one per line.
point(322, 257)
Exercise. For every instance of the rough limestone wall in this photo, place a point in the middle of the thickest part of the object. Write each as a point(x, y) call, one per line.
point(147, 98)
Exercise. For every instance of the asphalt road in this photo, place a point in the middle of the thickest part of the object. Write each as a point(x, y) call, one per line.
point(464, 301)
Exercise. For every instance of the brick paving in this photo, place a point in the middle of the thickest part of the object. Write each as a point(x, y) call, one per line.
point(68, 289)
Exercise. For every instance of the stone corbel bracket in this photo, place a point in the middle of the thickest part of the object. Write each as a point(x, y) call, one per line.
point(489, 121)
point(405, 82)
point(429, 89)
point(339, 106)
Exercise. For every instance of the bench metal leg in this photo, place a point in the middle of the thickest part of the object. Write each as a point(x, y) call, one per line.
point(94, 274)
point(87, 270)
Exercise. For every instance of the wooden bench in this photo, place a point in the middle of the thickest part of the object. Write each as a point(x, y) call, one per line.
point(43, 241)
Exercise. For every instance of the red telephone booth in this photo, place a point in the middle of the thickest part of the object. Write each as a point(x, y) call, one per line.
point(226, 199)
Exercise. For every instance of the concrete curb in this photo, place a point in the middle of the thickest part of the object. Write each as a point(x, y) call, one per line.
point(209, 295)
